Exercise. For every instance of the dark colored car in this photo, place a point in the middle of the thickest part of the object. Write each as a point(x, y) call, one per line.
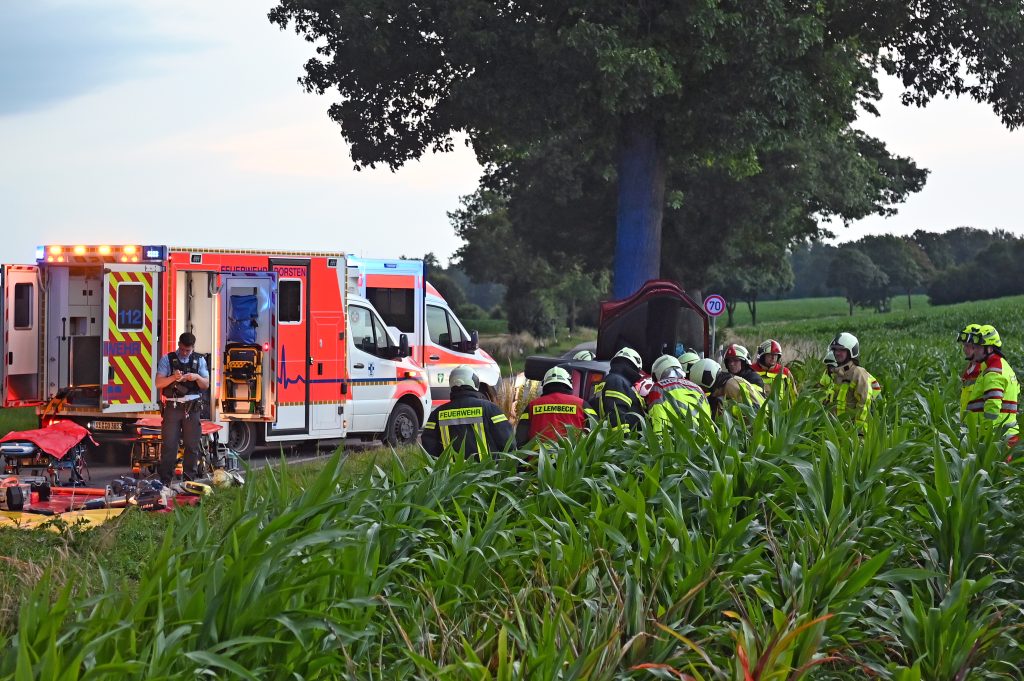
point(657, 319)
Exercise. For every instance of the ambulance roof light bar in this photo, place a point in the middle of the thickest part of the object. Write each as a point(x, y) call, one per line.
point(86, 255)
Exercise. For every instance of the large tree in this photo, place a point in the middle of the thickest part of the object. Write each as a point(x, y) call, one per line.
point(655, 84)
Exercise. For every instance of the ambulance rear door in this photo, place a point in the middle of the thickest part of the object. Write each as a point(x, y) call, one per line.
point(129, 352)
point(20, 344)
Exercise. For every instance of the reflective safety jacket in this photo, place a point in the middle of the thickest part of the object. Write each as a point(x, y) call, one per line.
point(967, 380)
point(990, 400)
point(469, 422)
point(617, 400)
point(676, 396)
point(777, 378)
point(828, 384)
point(751, 376)
point(735, 391)
point(550, 416)
point(855, 389)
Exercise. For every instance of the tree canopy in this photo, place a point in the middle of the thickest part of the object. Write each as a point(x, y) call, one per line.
point(643, 96)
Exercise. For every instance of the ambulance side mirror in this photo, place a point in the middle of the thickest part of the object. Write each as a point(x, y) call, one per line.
point(403, 346)
point(474, 340)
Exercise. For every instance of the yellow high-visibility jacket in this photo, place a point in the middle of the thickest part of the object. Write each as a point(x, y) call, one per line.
point(679, 396)
point(989, 401)
point(734, 392)
point(778, 379)
point(855, 389)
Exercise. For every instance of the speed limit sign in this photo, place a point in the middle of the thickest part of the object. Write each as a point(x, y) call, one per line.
point(714, 305)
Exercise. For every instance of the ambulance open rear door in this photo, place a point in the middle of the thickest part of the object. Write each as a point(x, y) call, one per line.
point(20, 369)
point(129, 347)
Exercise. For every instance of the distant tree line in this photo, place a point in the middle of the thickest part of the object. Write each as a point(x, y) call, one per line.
point(962, 264)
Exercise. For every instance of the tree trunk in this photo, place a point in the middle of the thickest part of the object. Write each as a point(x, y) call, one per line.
point(851, 306)
point(752, 306)
point(909, 306)
point(572, 316)
point(730, 309)
point(641, 170)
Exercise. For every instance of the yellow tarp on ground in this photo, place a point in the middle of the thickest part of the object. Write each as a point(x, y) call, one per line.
point(28, 521)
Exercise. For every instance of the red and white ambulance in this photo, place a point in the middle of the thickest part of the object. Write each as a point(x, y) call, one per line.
point(410, 305)
point(295, 353)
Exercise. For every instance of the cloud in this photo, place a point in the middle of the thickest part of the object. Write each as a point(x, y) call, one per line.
point(51, 51)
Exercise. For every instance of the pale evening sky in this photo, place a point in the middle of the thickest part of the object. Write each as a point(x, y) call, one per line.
point(180, 121)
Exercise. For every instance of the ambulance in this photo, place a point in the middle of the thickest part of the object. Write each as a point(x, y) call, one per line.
point(410, 305)
point(295, 352)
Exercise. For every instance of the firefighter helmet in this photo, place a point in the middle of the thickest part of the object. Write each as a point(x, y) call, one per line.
point(557, 375)
point(846, 341)
point(583, 356)
point(969, 334)
point(630, 355)
point(463, 377)
point(989, 336)
point(687, 360)
point(737, 351)
point(664, 365)
point(769, 347)
point(830, 359)
point(704, 372)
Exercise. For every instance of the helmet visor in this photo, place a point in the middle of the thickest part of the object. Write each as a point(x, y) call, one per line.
point(969, 337)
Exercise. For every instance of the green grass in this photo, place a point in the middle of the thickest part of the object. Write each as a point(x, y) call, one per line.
point(486, 327)
point(18, 418)
point(772, 311)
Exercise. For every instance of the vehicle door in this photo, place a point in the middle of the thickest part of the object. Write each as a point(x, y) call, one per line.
point(128, 356)
point(20, 340)
point(371, 370)
point(448, 346)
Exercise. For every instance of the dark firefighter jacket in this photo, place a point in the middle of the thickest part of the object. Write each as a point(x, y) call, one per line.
point(469, 422)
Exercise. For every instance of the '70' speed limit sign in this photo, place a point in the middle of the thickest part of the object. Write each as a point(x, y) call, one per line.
point(714, 305)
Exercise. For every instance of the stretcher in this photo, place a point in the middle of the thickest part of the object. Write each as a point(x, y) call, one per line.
point(60, 447)
point(146, 450)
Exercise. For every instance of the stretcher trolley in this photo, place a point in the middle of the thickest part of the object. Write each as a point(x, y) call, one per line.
point(60, 448)
point(146, 450)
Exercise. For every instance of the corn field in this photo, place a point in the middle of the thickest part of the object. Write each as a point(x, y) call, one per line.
point(790, 549)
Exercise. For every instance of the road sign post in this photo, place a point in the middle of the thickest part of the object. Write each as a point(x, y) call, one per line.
point(714, 305)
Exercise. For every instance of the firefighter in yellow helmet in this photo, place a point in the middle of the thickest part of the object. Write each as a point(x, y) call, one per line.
point(674, 393)
point(855, 388)
point(776, 377)
point(727, 391)
point(990, 391)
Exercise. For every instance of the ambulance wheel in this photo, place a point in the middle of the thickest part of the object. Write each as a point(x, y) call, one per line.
point(403, 426)
point(242, 439)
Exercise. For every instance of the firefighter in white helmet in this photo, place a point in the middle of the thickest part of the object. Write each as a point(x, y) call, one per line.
point(727, 390)
point(674, 393)
point(550, 415)
point(468, 422)
point(736, 359)
point(615, 398)
point(855, 388)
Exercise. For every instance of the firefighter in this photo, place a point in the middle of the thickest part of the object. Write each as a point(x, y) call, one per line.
point(674, 393)
point(991, 387)
point(181, 377)
point(777, 378)
point(468, 422)
point(855, 389)
point(616, 398)
point(583, 356)
point(550, 415)
point(737, 363)
point(727, 390)
point(973, 370)
point(687, 360)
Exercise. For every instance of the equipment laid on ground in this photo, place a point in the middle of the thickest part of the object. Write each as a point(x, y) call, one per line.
point(145, 456)
point(61, 446)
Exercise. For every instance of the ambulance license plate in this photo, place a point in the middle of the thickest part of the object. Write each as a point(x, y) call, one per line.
point(106, 425)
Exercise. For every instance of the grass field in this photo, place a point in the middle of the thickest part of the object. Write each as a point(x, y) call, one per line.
point(21, 418)
point(773, 311)
point(788, 547)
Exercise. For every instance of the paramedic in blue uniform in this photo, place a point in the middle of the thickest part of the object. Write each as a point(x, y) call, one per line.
point(181, 377)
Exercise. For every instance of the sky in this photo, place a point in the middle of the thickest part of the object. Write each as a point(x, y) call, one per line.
point(181, 122)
